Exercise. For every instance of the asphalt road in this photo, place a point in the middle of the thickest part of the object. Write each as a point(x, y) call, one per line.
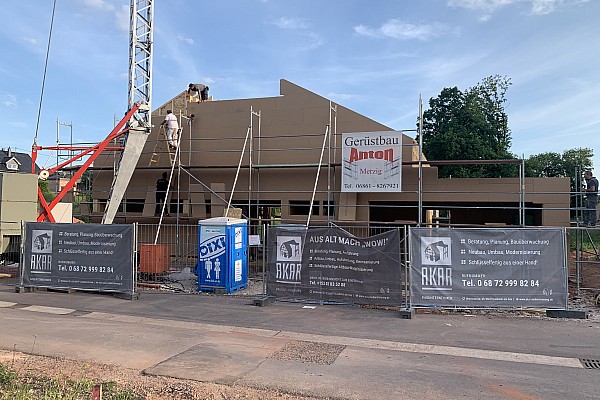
point(370, 354)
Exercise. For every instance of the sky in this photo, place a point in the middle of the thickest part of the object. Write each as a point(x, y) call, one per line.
point(375, 57)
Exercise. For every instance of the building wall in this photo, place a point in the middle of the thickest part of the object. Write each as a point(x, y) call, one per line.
point(284, 149)
point(18, 202)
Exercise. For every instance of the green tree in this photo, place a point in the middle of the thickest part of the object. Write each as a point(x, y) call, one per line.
point(568, 164)
point(46, 192)
point(548, 164)
point(578, 159)
point(470, 125)
point(571, 163)
point(83, 195)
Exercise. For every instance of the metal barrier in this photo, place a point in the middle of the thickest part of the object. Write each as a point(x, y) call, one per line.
point(182, 244)
point(337, 265)
point(584, 259)
point(10, 272)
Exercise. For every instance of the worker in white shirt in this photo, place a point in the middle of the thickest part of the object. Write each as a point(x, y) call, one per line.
point(172, 129)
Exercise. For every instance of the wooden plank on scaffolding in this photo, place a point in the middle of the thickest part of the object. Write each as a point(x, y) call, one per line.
point(347, 209)
point(149, 202)
point(198, 201)
point(217, 205)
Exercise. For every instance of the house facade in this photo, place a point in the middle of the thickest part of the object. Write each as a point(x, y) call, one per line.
point(265, 154)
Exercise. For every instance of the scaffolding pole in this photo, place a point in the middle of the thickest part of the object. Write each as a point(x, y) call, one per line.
point(312, 199)
point(237, 172)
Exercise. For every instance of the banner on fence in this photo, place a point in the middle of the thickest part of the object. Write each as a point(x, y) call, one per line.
point(329, 264)
point(488, 267)
point(79, 256)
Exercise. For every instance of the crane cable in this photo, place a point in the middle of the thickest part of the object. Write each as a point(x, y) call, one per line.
point(37, 125)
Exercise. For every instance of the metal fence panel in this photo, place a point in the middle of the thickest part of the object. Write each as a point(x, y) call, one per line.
point(332, 265)
point(79, 256)
point(476, 268)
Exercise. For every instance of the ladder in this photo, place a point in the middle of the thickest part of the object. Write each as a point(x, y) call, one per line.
point(162, 146)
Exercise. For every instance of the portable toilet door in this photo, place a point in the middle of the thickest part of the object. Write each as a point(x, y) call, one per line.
point(222, 254)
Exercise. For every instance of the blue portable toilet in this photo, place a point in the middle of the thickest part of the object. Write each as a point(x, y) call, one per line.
point(222, 254)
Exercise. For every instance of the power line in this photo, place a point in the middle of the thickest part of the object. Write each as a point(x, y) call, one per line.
point(37, 125)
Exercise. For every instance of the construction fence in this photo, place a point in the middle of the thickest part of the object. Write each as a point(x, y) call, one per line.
point(580, 247)
point(451, 267)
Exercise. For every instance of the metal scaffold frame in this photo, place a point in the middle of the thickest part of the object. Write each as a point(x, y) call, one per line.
point(141, 40)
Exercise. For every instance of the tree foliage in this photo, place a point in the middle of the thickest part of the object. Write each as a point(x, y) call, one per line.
point(571, 163)
point(46, 192)
point(470, 125)
point(545, 165)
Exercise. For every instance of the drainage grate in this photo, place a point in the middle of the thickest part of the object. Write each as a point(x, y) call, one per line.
point(589, 363)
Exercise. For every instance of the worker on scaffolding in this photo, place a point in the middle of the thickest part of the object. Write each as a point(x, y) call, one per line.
point(172, 129)
point(197, 92)
point(591, 200)
point(162, 187)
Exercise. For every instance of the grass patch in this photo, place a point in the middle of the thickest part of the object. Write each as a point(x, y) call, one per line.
point(588, 239)
point(17, 386)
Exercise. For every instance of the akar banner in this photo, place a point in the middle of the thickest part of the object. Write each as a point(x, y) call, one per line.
point(489, 267)
point(79, 256)
point(330, 264)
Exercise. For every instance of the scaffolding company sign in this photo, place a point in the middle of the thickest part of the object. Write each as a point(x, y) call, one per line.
point(78, 256)
point(372, 161)
point(489, 267)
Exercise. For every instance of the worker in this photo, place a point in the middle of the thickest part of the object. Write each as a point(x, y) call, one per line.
point(197, 92)
point(162, 186)
point(172, 129)
point(591, 199)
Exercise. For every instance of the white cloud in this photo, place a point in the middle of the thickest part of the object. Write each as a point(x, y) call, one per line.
point(99, 5)
point(339, 96)
point(396, 29)
point(543, 6)
point(30, 40)
point(484, 5)
point(575, 129)
point(122, 18)
point(8, 100)
point(185, 39)
point(315, 42)
point(538, 7)
point(18, 124)
point(290, 23)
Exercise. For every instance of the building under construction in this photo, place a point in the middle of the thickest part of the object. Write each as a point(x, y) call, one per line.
point(275, 157)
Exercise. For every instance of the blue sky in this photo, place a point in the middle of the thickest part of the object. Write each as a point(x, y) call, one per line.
point(373, 56)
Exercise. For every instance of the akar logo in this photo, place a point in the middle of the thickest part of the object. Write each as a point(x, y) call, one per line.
point(289, 248)
point(436, 251)
point(41, 241)
point(289, 260)
point(40, 261)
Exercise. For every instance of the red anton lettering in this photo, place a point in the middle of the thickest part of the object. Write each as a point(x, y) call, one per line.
point(356, 155)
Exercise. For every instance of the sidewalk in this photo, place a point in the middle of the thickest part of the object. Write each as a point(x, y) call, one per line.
point(335, 351)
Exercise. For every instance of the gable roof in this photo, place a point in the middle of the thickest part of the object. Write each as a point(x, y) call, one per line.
point(22, 159)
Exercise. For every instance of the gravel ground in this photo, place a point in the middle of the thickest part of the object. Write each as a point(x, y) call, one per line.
point(156, 387)
point(147, 387)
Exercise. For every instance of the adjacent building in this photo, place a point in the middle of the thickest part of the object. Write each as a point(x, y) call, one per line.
point(18, 200)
